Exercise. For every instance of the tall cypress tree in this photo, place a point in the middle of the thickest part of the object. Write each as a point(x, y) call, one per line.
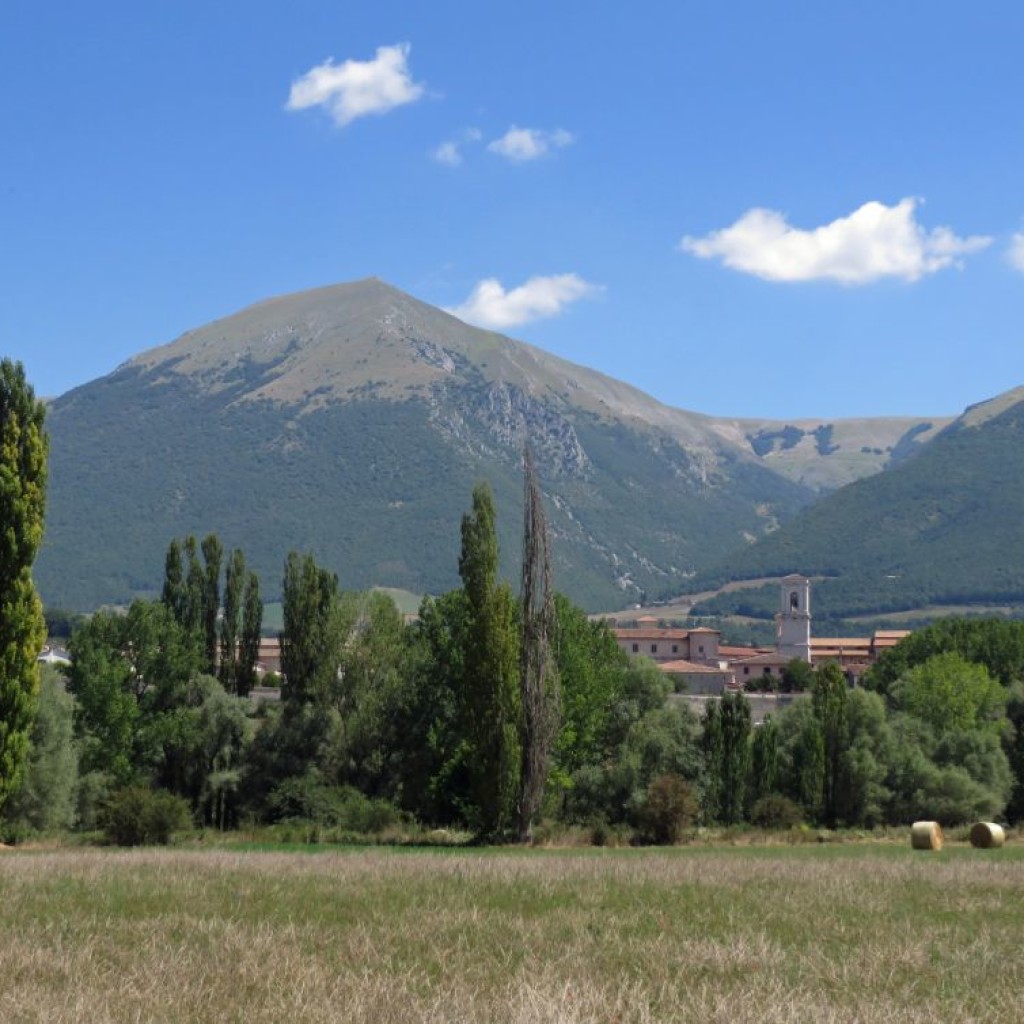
point(23, 452)
point(490, 697)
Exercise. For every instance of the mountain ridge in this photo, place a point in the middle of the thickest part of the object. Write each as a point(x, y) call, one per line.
point(352, 420)
point(939, 528)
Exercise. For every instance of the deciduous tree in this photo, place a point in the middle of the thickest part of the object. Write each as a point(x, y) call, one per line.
point(213, 555)
point(230, 655)
point(173, 594)
point(252, 627)
point(735, 763)
point(829, 699)
point(764, 761)
point(313, 633)
point(950, 693)
point(490, 694)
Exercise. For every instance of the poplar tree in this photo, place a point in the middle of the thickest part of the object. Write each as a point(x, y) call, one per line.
point(252, 627)
point(489, 699)
point(764, 755)
point(711, 747)
point(195, 588)
point(313, 631)
point(726, 744)
point(213, 554)
point(736, 723)
point(829, 699)
point(234, 581)
point(538, 684)
point(23, 452)
point(173, 594)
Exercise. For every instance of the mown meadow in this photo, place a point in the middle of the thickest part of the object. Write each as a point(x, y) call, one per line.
point(770, 934)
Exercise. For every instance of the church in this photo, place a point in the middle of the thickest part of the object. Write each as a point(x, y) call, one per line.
point(702, 665)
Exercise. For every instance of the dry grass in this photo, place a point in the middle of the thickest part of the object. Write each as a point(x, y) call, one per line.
point(816, 934)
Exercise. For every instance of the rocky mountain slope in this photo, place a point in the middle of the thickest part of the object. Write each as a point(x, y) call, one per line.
point(353, 420)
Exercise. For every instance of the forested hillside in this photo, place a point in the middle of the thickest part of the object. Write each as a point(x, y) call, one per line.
point(941, 528)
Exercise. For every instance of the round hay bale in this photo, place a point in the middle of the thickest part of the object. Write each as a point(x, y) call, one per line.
point(986, 835)
point(926, 835)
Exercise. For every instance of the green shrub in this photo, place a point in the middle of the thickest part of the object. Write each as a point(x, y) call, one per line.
point(137, 816)
point(307, 798)
point(775, 811)
point(668, 808)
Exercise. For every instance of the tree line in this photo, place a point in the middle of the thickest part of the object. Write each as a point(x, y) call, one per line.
point(494, 712)
point(383, 725)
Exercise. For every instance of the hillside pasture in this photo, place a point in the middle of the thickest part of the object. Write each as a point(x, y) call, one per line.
point(710, 934)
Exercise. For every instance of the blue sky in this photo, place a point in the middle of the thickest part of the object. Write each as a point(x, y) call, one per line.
point(756, 209)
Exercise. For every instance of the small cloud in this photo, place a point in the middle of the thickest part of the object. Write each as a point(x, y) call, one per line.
point(524, 144)
point(489, 305)
point(873, 242)
point(356, 88)
point(449, 152)
point(1015, 253)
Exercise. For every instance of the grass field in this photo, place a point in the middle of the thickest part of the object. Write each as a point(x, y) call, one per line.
point(866, 933)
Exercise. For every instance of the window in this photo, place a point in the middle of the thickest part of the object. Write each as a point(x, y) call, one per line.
point(746, 670)
point(654, 648)
point(636, 648)
point(701, 649)
point(675, 648)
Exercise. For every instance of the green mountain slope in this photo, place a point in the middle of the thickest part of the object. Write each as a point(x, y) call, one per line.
point(940, 528)
point(353, 420)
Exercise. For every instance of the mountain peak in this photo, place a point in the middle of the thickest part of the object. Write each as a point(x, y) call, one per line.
point(352, 420)
point(327, 343)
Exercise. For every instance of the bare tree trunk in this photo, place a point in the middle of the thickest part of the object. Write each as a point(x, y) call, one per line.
point(537, 680)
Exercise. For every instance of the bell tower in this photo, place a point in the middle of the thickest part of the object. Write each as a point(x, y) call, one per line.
point(793, 622)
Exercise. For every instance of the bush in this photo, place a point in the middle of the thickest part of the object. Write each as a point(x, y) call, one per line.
point(137, 816)
point(307, 798)
point(669, 807)
point(775, 811)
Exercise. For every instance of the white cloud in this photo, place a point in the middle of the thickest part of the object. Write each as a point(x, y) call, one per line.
point(874, 241)
point(1015, 253)
point(357, 88)
point(450, 151)
point(489, 305)
point(523, 144)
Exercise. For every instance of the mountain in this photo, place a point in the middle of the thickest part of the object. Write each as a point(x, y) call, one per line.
point(352, 421)
point(941, 529)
